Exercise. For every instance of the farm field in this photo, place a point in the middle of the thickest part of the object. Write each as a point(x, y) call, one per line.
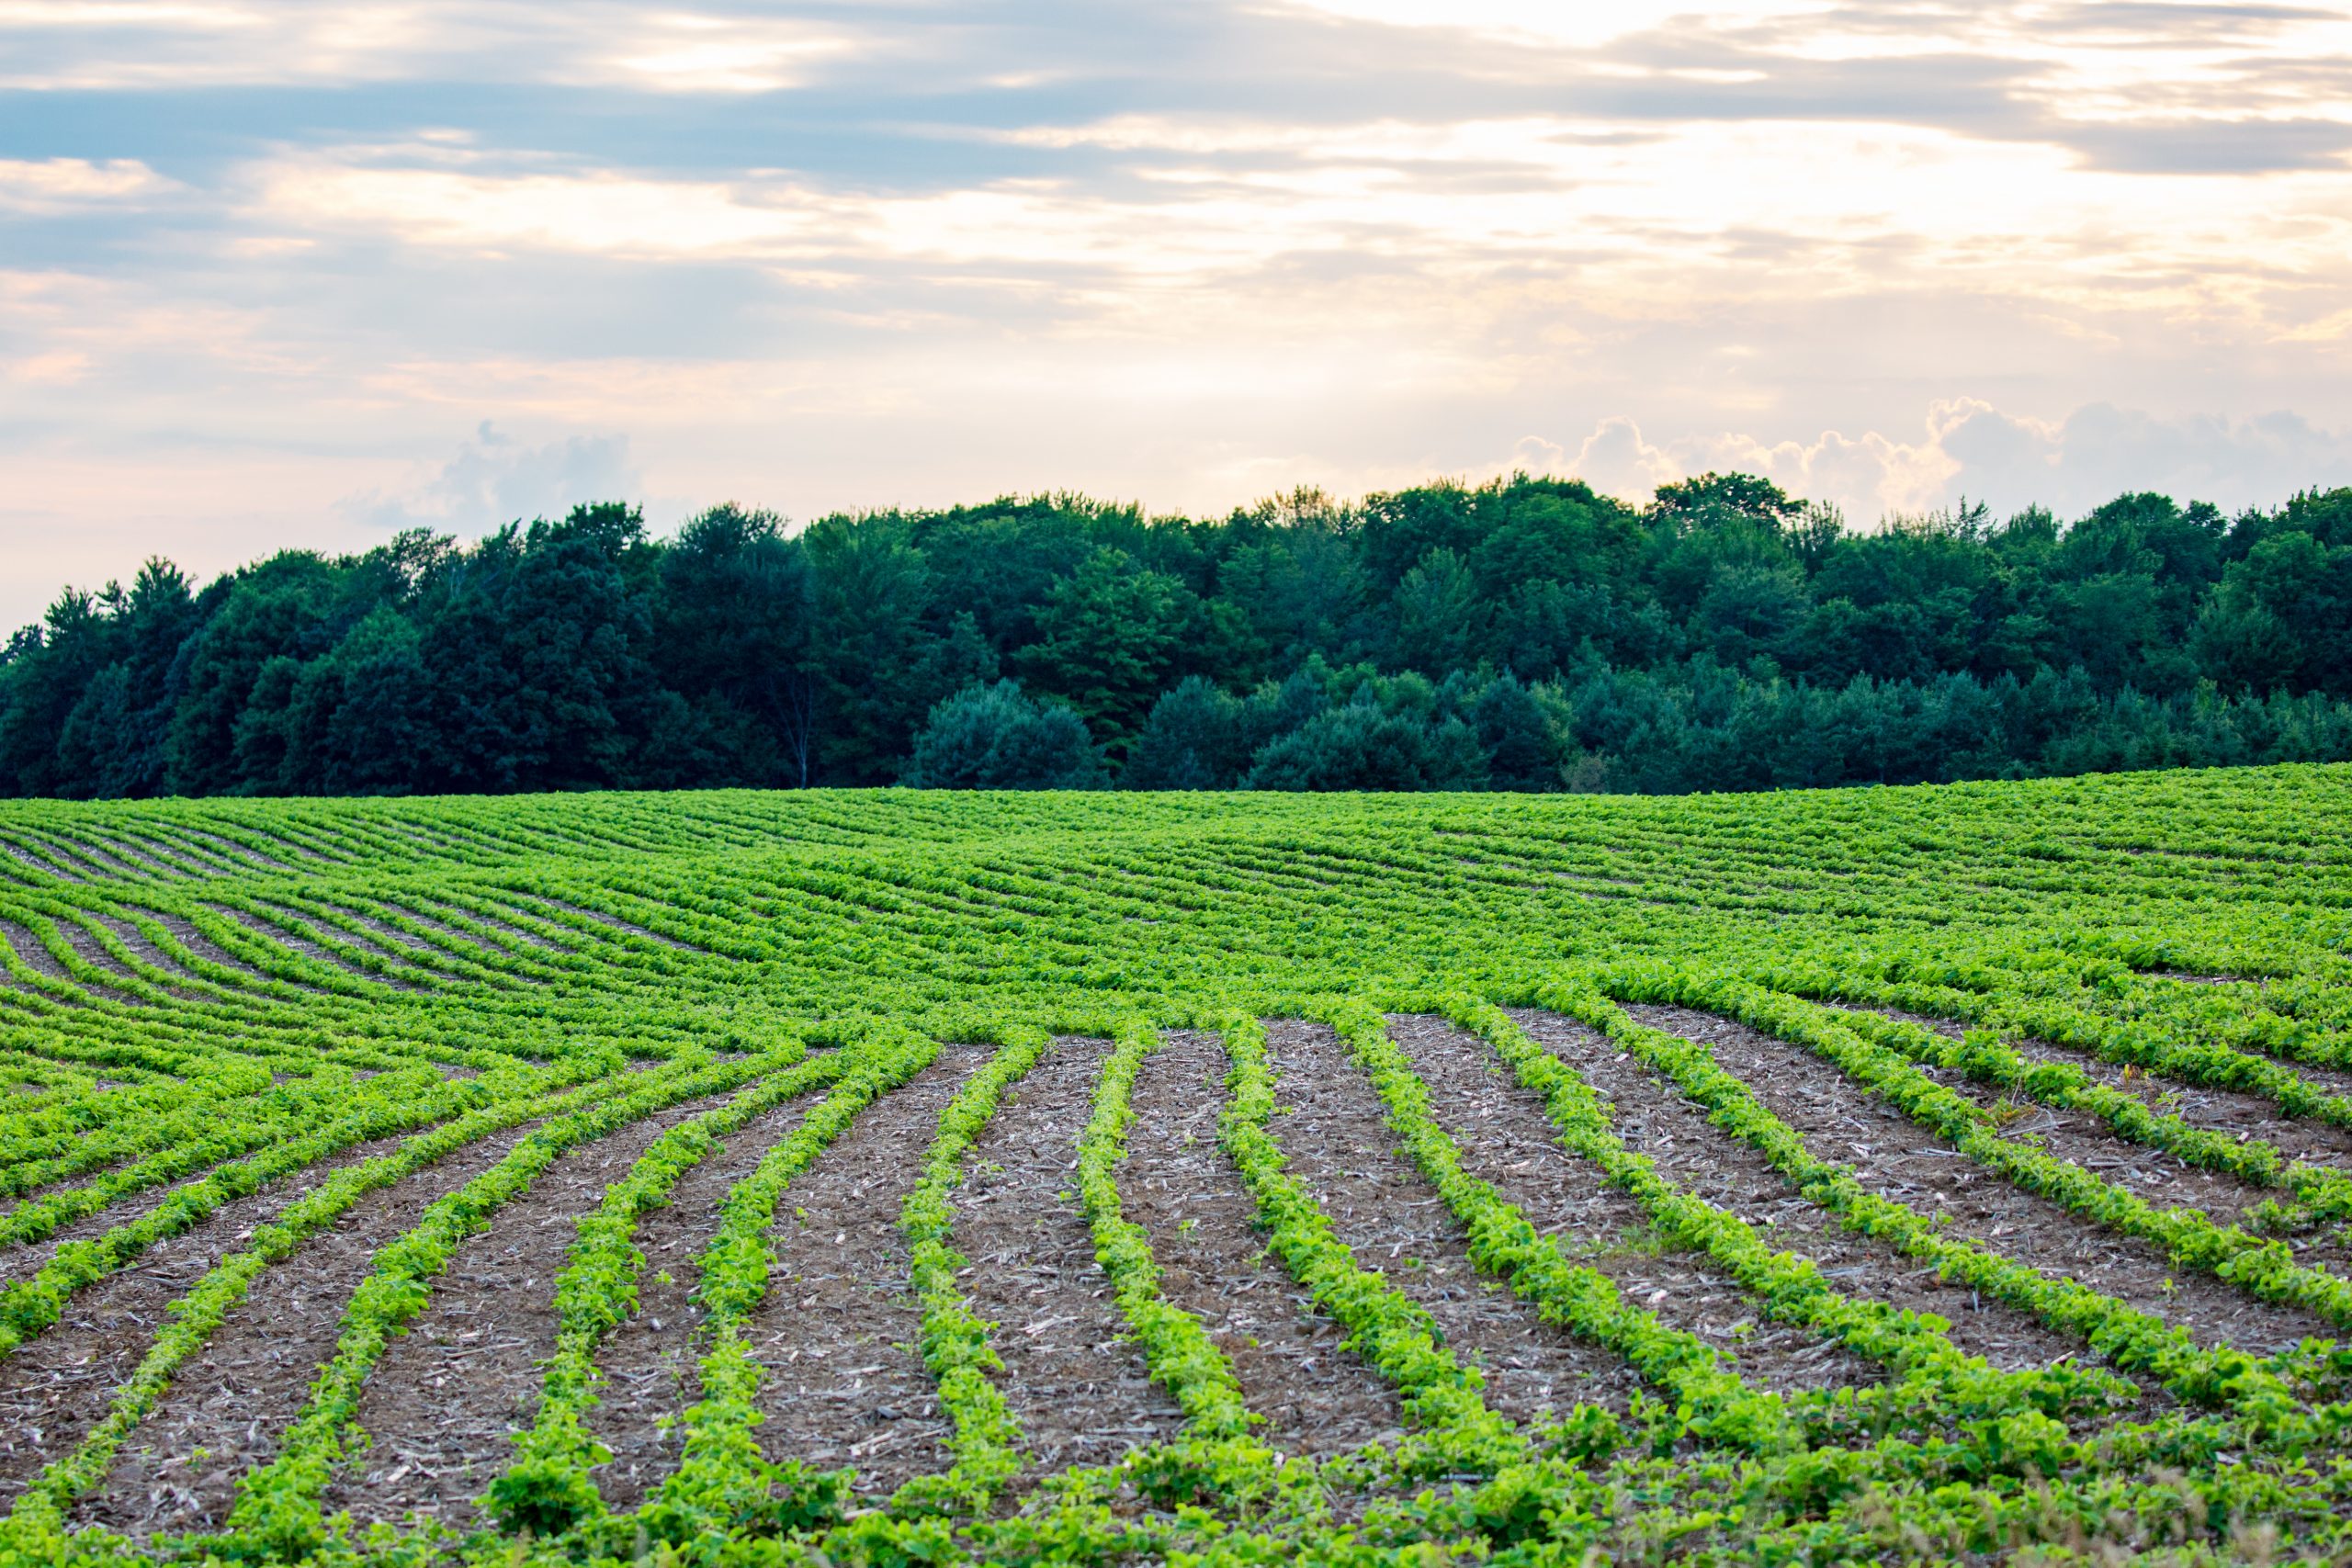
point(889, 1177)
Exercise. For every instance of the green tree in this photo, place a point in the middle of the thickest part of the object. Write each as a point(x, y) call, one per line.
point(997, 738)
point(1440, 624)
point(1108, 639)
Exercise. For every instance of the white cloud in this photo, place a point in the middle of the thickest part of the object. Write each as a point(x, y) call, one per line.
point(65, 185)
point(1970, 449)
point(142, 45)
point(493, 480)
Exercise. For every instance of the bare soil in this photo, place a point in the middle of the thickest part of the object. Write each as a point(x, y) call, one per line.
point(1652, 1117)
point(840, 1333)
point(269, 931)
point(1896, 1158)
point(21, 1261)
point(2161, 1178)
point(618, 924)
point(442, 1405)
point(38, 957)
point(648, 1361)
point(232, 1404)
point(1178, 1185)
point(237, 853)
point(2232, 1112)
point(147, 951)
point(184, 932)
point(54, 1389)
point(1332, 1131)
point(1082, 1395)
point(86, 943)
point(1507, 1139)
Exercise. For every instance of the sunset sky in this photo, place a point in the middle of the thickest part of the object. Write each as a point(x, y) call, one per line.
point(282, 274)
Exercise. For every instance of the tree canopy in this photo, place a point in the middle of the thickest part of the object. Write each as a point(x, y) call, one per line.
point(1523, 634)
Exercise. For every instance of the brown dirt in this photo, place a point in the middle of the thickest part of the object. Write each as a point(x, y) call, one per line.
point(129, 850)
point(1896, 1158)
point(86, 943)
point(2161, 1178)
point(38, 958)
point(647, 1361)
point(1178, 1185)
point(184, 932)
point(55, 1388)
point(1338, 1147)
point(269, 931)
point(2234, 1112)
point(92, 854)
point(224, 1416)
point(37, 862)
point(401, 970)
point(147, 951)
point(839, 1332)
point(443, 1404)
point(1082, 1395)
point(1506, 1140)
point(1652, 1117)
point(20, 1260)
point(618, 924)
point(250, 860)
point(173, 859)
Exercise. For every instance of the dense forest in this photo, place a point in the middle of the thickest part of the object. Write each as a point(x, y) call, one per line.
point(1527, 633)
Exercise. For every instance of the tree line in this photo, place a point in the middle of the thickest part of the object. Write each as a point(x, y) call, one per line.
point(1524, 633)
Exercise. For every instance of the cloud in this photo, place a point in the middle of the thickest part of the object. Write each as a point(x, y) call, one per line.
point(2100, 451)
point(152, 45)
point(812, 254)
point(494, 480)
point(48, 187)
point(1969, 449)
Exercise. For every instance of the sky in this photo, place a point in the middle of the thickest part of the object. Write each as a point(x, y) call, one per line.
point(302, 273)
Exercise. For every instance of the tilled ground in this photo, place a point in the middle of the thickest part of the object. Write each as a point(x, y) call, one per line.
point(1894, 1156)
point(647, 1361)
point(2230, 1112)
point(840, 1333)
point(1083, 1394)
point(54, 1389)
point(1179, 1186)
point(234, 1402)
point(2156, 1175)
point(1652, 1117)
point(1508, 1141)
point(1337, 1144)
point(442, 1407)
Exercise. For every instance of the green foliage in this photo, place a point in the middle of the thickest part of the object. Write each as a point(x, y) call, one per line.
point(215, 1001)
point(1724, 636)
point(996, 737)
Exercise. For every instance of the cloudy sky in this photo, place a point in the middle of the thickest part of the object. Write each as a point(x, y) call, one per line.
point(302, 272)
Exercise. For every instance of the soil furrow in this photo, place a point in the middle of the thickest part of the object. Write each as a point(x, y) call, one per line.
point(226, 1412)
point(840, 1333)
point(2162, 1178)
point(1083, 1396)
point(442, 1404)
point(1652, 1117)
point(56, 1387)
point(647, 1361)
point(2232, 1112)
point(1899, 1160)
point(1508, 1141)
point(1178, 1185)
point(20, 1260)
point(1338, 1144)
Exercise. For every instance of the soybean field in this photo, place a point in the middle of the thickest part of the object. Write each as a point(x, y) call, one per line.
point(1888, 1175)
